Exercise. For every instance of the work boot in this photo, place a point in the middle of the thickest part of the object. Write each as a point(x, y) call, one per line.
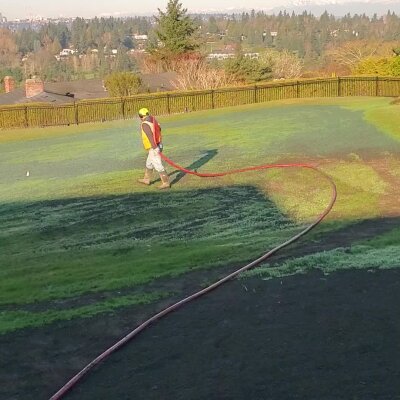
point(165, 181)
point(147, 177)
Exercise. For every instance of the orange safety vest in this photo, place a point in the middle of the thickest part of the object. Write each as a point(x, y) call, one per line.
point(155, 129)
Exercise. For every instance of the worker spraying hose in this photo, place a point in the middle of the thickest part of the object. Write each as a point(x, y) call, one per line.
point(151, 137)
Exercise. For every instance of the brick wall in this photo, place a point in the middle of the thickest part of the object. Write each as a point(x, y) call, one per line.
point(33, 87)
point(9, 84)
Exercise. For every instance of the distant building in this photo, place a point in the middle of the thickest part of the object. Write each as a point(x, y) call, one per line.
point(3, 19)
point(220, 56)
point(226, 56)
point(66, 52)
point(229, 48)
point(140, 37)
point(252, 55)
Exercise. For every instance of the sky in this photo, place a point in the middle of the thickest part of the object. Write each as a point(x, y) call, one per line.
point(13, 9)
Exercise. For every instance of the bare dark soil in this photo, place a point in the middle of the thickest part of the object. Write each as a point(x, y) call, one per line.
point(302, 337)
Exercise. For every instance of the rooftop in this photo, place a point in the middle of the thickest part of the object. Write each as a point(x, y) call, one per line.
point(67, 92)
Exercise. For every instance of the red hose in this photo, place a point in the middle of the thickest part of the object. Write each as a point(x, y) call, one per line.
point(73, 381)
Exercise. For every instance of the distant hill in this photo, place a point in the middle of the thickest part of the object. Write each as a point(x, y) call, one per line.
point(340, 9)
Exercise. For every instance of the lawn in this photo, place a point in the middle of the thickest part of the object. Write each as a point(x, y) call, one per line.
point(79, 223)
point(80, 238)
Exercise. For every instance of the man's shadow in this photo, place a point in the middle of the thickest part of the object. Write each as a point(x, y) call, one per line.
point(209, 154)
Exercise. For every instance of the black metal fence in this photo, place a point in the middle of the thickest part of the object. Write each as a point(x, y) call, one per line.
point(19, 116)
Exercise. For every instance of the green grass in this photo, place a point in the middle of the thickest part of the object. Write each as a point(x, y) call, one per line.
point(358, 257)
point(120, 241)
point(355, 257)
point(13, 320)
point(81, 225)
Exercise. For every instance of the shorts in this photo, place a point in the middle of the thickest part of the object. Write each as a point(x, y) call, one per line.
point(154, 161)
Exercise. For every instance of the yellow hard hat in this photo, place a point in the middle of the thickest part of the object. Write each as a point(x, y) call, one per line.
point(143, 112)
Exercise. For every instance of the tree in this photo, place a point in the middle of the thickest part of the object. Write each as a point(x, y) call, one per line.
point(246, 69)
point(26, 39)
point(123, 62)
point(8, 49)
point(16, 73)
point(43, 64)
point(194, 72)
point(55, 47)
point(212, 25)
point(283, 64)
point(120, 84)
point(78, 29)
point(128, 42)
point(351, 53)
point(175, 31)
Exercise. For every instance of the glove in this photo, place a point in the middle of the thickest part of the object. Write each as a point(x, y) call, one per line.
point(157, 150)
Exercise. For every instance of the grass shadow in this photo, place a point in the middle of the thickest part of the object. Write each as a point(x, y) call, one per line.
point(67, 247)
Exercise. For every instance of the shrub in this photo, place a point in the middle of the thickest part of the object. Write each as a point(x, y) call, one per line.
point(246, 69)
point(378, 66)
point(120, 84)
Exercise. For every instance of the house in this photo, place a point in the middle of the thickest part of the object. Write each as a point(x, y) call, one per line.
point(220, 56)
point(230, 48)
point(66, 52)
point(140, 37)
point(37, 91)
point(33, 91)
point(226, 56)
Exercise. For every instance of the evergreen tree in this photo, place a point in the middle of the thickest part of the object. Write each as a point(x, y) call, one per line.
point(212, 25)
point(175, 31)
point(247, 70)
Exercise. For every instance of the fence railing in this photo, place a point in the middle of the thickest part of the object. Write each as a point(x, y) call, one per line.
point(19, 116)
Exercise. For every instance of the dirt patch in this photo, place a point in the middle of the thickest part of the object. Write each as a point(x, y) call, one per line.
point(305, 337)
point(390, 202)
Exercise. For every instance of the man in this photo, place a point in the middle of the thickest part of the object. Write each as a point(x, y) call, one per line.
point(151, 137)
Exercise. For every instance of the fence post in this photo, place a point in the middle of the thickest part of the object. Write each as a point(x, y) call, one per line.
point(168, 104)
point(212, 98)
point(26, 116)
point(123, 107)
point(297, 89)
point(76, 113)
point(339, 90)
point(376, 86)
point(255, 94)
